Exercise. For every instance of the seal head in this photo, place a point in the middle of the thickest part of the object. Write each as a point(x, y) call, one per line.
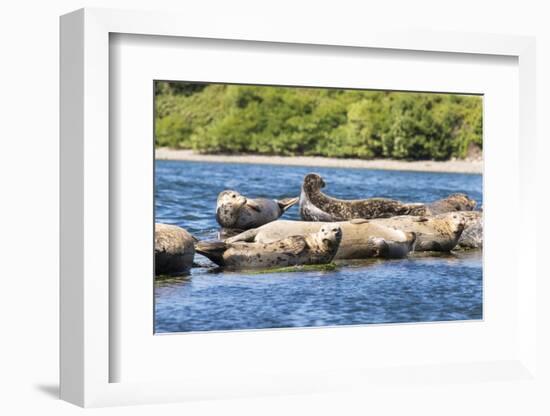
point(313, 182)
point(330, 236)
point(228, 207)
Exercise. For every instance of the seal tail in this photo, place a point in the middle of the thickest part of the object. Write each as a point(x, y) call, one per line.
point(213, 250)
point(286, 203)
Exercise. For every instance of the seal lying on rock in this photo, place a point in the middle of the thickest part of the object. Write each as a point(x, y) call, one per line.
point(174, 250)
point(438, 233)
point(234, 210)
point(360, 238)
point(314, 248)
point(316, 206)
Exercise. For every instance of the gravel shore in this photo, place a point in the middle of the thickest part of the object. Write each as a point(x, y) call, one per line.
point(452, 166)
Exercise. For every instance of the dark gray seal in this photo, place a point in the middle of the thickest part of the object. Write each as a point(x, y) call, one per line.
point(317, 206)
point(235, 211)
point(314, 248)
point(174, 250)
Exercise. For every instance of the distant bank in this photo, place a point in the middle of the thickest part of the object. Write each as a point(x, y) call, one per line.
point(451, 166)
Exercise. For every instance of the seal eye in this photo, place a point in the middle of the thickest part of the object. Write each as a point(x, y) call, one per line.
point(233, 196)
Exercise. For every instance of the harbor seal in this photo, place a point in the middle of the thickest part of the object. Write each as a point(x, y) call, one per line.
point(453, 203)
point(360, 238)
point(313, 248)
point(438, 233)
point(234, 210)
point(317, 206)
point(174, 250)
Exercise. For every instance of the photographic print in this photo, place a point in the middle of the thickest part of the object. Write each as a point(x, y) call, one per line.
point(294, 206)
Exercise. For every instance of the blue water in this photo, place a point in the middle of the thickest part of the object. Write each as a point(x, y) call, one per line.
point(416, 289)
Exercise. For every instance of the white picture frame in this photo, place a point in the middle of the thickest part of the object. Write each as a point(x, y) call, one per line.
point(86, 334)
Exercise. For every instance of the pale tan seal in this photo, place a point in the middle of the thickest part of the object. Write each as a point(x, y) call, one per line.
point(360, 238)
point(313, 248)
point(438, 233)
point(317, 206)
point(174, 250)
point(234, 210)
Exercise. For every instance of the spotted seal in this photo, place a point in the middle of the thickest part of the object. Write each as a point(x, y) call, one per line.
point(361, 239)
point(313, 248)
point(234, 210)
point(453, 203)
point(174, 250)
point(437, 233)
point(317, 206)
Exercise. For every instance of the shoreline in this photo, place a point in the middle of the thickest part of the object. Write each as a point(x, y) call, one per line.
point(449, 166)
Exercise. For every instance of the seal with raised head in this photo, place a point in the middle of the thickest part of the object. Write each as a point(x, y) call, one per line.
point(313, 248)
point(317, 206)
point(174, 250)
point(438, 233)
point(234, 210)
point(361, 239)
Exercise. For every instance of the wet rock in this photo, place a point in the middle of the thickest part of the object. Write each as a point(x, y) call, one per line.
point(472, 236)
point(174, 250)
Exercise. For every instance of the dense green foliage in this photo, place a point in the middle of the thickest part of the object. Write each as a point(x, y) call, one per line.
point(215, 118)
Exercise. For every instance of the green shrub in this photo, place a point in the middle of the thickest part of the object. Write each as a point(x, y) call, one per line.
point(215, 118)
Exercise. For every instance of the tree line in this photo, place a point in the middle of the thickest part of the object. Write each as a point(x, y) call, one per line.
point(273, 120)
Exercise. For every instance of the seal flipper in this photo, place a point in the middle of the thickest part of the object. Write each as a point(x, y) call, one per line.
point(358, 221)
point(225, 233)
point(253, 204)
point(286, 203)
point(213, 250)
point(296, 245)
point(247, 236)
